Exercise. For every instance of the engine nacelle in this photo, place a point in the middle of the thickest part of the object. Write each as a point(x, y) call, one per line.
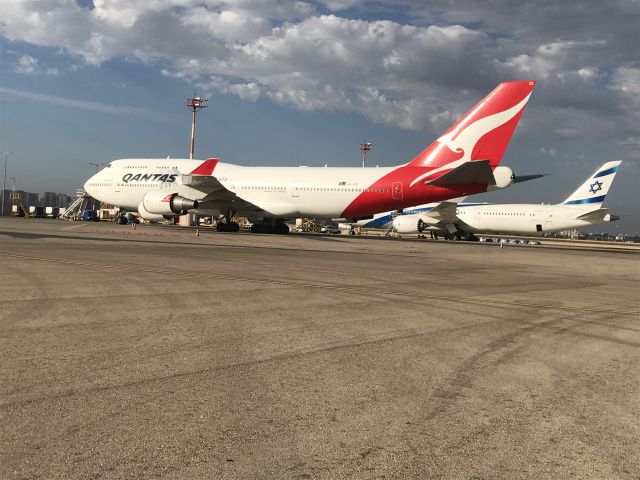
point(408, 224)
point(504, 177)
point(163, 203)
point(152, 217)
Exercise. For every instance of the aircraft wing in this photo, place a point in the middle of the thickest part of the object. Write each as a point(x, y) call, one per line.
point(203, 183)
point(443, 212)
point(216, 195)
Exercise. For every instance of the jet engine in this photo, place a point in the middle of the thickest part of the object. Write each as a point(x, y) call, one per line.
point(504, 177)
point(163, 203)
point(408, 224)
point(152, 217)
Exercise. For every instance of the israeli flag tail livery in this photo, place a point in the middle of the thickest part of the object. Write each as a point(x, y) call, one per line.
point(594, 190)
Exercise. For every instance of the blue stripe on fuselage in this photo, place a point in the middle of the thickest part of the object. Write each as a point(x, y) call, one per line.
point(382, 221)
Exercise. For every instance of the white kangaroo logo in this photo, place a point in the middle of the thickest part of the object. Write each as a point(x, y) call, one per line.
point(467, 139)
point(464, 141)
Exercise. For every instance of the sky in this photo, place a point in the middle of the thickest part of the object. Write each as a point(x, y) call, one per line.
point(305, 82)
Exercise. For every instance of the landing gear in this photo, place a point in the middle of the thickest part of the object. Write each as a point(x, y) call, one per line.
point(227, 227)
point(281, 228)
point(270, 226)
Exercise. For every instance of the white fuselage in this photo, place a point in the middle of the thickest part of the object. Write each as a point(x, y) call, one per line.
point(271, 192)
point(281, 191)
point(490, 218)
point(524, 218)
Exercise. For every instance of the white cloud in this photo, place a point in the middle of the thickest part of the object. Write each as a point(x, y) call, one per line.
point(627, 80)
point(13, 94)
point(28, 65)
point(414, 76)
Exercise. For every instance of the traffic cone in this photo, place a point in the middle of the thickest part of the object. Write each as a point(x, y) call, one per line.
point(197, 232)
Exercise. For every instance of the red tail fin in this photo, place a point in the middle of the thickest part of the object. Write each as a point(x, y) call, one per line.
point(483, 133)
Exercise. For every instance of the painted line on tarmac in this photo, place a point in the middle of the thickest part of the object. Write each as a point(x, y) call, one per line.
point(326, 286)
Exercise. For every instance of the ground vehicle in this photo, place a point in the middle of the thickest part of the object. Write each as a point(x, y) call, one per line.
point(90, 216)
point(330, 229)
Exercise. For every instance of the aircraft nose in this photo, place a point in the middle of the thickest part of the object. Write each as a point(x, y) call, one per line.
point(88, 186)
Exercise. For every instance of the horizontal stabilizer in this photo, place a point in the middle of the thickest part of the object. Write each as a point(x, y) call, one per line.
point(594, 215)
point(526, 178)
point(475, 172)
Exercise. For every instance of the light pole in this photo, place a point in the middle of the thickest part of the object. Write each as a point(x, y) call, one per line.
point(13, 194)
point(364, 148)
point(194, 104)
point(4, 181)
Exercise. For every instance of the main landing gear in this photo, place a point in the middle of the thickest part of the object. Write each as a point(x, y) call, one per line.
point(469, 237)
point(227, 227)
point(273, 226)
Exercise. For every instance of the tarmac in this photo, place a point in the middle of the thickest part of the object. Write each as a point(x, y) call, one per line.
point(154, 352)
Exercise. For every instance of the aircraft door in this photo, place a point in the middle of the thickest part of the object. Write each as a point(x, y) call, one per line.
point(396, 190)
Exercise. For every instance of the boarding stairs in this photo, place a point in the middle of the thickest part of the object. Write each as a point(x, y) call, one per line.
point(15, 201)
point(77, 207)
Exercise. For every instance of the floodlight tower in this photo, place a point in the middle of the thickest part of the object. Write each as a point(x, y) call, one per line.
point(364, 148)
point(194, 104)
point(13, 193)
point(4, 181)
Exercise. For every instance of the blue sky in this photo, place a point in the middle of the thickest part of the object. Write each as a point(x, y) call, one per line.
point(303, 83)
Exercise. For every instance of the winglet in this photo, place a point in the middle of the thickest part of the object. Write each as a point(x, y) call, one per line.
point(206, 167)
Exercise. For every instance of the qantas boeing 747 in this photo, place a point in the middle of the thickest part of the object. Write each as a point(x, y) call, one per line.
point(463, 161)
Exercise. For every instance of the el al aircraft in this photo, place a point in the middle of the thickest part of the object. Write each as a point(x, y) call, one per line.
point(465, 160)
point(583, 208)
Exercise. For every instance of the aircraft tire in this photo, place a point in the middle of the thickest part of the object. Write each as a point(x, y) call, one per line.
point(281, 229)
